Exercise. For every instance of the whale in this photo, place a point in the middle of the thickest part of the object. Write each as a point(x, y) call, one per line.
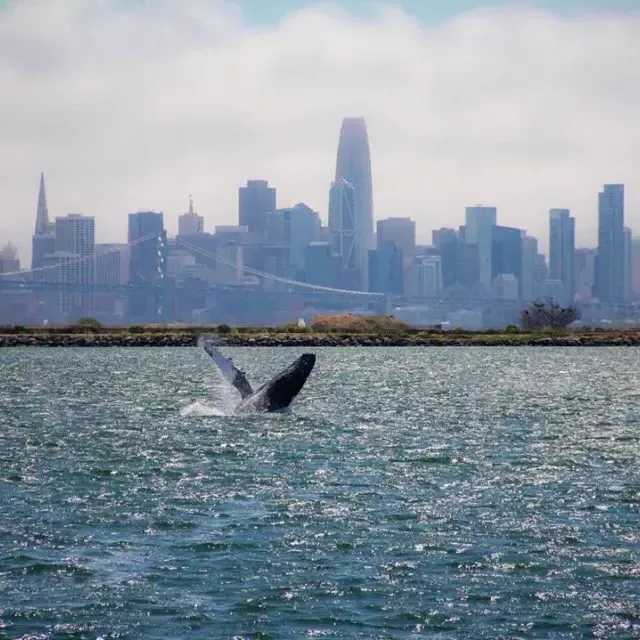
point(273, 396)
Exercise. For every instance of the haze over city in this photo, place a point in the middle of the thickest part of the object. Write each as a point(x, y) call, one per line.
point(133, 106)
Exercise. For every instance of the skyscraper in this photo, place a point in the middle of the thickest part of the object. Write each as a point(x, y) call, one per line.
point(636, 266)
point(143, 256)
point(342, 204)
point(76, 234)
point(43, 242)
point(402, 231)
point(9, 260)
point(386, 270)
point(42, 216)
point(584, 268)
point(354, 166)
point(254, 202)
point(609, 269)
point(628, 264)
point(506, 254)
point(528, 279)
point(562, 251)
point(479, 223)
point(296, 228)
point(74, 250)
point(146, 261)
point(190, 223)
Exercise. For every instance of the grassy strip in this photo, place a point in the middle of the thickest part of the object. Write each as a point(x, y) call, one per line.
point(259, 331)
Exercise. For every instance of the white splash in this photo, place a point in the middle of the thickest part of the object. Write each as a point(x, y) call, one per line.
point(198, 408)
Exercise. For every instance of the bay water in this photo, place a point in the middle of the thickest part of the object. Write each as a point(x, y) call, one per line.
point(410, 493)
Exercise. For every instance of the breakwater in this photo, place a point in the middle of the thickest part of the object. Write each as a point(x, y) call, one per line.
point(450, 339)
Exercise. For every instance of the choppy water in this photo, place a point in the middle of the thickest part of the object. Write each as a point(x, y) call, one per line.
point(412, 493)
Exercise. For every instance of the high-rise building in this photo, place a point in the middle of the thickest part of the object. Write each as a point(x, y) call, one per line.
point(111, 271)
point(447, 242)
point(147, 262)
point(467, 272)
point(386, 269)
point(322, 265)
point(75, 238)
point(528, 272)
point(296, 228)
point(76, 234)
point(636, 266)
point(479, 223)
point(276, 261)
point(506, 252)
point(9, 261)
point(43, 242)
point(609, 268)
point(562, 250)
point(342, 220)
point(402, 231)
point(353, 164)
point(584, 267)
point(255, 200)
point(111, 264)
point(427, 276)
point(190, 223)
point(628, 264)
point(43, 225)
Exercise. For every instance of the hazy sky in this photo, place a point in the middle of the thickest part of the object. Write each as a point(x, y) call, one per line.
point(129, 105)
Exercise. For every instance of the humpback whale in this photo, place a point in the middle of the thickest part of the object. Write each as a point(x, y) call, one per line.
point(275, 395)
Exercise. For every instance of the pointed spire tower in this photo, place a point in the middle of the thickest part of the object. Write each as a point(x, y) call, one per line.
point(42, 217)
point(44, 241)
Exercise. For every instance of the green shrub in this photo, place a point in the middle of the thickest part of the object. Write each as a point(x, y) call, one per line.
point(90, 325)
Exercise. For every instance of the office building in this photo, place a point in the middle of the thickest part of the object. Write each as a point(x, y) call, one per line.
point(190, 223)
point(386, 269)
point(609, 266)
point(353, 165)
point(479, 223)
point(402, 231)
point(562, 251)
point(255, 200)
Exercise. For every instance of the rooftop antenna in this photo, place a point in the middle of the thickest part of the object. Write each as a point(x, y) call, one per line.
point(190, 204)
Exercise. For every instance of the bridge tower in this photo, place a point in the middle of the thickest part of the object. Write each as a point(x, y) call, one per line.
point(161, 294)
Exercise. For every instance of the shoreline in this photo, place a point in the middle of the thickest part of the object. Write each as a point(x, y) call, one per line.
point(443, 339)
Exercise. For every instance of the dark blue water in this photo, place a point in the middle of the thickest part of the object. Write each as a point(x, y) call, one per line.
point(412, 493)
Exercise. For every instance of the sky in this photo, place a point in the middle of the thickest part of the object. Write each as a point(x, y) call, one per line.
point(131, 105)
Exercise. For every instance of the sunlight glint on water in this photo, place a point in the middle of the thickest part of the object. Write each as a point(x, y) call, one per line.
point(449, 493)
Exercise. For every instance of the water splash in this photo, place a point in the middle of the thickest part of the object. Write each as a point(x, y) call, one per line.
point(201, 409)
point(224, 398)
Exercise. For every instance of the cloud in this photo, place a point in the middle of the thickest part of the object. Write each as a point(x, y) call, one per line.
point(128, 108)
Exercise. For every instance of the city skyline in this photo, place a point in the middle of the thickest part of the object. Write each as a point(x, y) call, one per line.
point(447, 129)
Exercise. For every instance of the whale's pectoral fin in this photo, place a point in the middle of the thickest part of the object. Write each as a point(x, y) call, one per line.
point(230, 372)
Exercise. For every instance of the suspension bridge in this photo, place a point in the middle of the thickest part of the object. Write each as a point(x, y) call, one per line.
point(68, 278)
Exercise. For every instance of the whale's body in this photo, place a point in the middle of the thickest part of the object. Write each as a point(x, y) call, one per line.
point(275, 395)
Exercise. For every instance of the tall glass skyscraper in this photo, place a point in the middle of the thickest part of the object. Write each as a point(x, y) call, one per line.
point(353, 165)
point(479, 223)
point(562, 250)
point(609, 270)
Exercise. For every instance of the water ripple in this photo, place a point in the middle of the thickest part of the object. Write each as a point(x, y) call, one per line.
point(412, 493)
